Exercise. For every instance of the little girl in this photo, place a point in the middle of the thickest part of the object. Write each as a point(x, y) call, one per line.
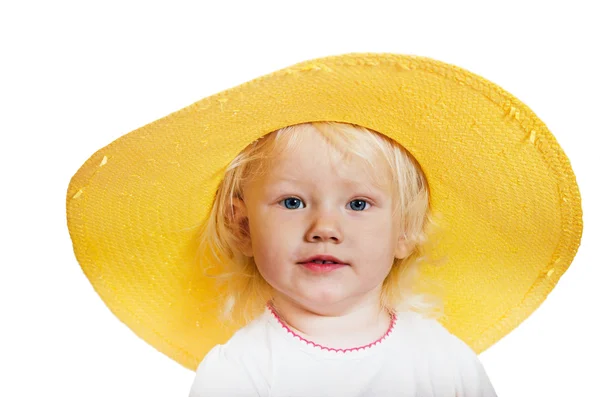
point(279, 237)
point(326, 221)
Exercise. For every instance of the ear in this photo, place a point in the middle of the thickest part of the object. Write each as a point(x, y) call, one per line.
point(403, 248)
point(240, 226)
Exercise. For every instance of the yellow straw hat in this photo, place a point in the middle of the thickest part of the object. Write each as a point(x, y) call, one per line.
point(509, 199)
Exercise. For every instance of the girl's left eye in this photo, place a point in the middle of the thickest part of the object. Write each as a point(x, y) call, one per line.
point(358, 205)
point(293, 203)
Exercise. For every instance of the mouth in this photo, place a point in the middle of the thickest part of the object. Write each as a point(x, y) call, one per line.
point(322, 260)
point(322, 263)
point(322, 268)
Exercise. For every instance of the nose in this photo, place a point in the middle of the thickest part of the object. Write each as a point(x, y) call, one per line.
point(325, 228)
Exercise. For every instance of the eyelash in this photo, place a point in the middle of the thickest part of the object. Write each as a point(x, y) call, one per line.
point(296, 198)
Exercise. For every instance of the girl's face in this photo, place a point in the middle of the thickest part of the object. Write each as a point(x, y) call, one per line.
point(311, 203)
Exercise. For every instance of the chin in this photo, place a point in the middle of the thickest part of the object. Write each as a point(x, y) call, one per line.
point(322, 299)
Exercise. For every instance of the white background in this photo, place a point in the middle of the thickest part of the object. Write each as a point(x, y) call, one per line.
point(75, 76)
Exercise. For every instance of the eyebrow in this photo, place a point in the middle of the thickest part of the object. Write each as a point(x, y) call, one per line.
point(347, 182)
point(287, 179)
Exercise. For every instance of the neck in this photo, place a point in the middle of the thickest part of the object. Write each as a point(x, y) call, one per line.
point(339, 326)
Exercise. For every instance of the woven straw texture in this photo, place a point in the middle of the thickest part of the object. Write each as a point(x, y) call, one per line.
point(510, 203)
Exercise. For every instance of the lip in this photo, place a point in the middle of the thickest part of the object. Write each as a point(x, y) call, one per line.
point(324, 268)
point(323, 258)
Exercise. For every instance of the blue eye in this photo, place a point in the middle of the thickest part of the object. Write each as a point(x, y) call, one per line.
point(358, 207)
point(293, 203)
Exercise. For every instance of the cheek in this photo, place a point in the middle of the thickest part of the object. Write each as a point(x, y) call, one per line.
point(272, 243)
point(378, 232)
point(377, 244)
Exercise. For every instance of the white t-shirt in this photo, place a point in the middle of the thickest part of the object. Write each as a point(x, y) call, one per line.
point(417, 357)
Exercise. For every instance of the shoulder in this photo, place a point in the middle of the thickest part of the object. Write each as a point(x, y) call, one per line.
point(250, 339)
point(446, 350)
point(221, 375)
point(431, 332)
point(420, 328)
point(236, 367)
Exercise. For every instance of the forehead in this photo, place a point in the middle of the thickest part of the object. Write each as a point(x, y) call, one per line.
point(313, 158)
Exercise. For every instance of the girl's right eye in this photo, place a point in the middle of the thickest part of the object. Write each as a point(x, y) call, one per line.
point(291, 203)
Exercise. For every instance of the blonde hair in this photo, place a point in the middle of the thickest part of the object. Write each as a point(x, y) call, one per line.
point(246, 292)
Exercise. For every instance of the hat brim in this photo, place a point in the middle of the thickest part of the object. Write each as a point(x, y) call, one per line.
point(508, 196)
